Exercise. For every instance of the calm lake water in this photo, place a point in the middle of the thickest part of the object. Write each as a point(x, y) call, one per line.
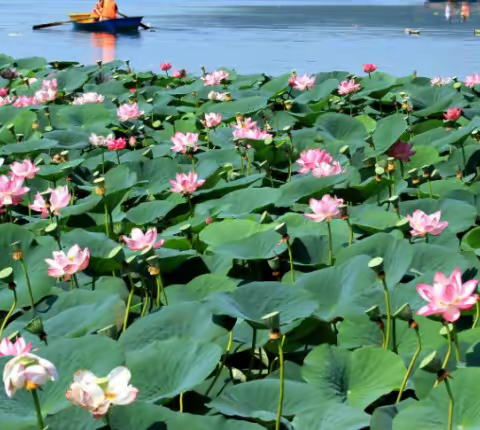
point(260, 35)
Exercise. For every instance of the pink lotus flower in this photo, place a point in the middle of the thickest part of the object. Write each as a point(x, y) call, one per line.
point(221, 97)
point(303, 82)
point(186, 184)
point(246, 124)
point(140, 241)
point(348, 87)
point(369, 68)
point(472, 80)
point(9, 348)
point(179, 74)
point(59, 199)
point(253, 134)
point(27, 371)
point(40, 205)
point(132, 141)
point(11, 190)
point(100, 140)
point(165, 66)
point(24, 101)
point(6, 100)
point(50, 85)
point(129, 111)
point(327, 169)
point(65, 266)
point(291, 79)
point(26, 169)
point(312, 158)
point(183, 143)
point(96, 395)
point(215, 78)
point(116, 144)
point(452, 114)
point(325, 209)
point(401, 151)
point(447, 296)
point(423, 224)
point(439, 81)
point(212, 119)
point(89, 98)
point(3, 92)
point(44, 96)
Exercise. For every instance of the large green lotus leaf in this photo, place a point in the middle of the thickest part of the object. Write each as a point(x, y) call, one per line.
point(424, 155)
point(200, 287)
point(227, 231)
point(376, 85)
point(70, 80)
point(368, 122)
point(148, 212)
point(359, 377)
point(166, 368)
point(433, 100)
point(22, 124)
point(255, 300)
point(72, 418)
point(341, 129)
point(382, 417)
point(318, 92)
point(30, 147)
point(441, 188)
point(223, 187)
point(432, 413)
point(343, 290)
point(388, 131)
point(31, 63)
point(358, 331)
point(155, 173)
point(146, 416)
point(277, 84)
point(457, 136)
point(71, 139)
point(81, 206)
point(397, 254)
point(84, 116)
point(185, 320)
point(372, 218)
point(434, 258)
point(471, 241)
point(228, 110)
point(431, 137)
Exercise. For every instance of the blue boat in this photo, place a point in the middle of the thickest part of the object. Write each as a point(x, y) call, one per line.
point(119, 25)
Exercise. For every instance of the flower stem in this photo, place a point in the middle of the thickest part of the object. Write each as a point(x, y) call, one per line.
point(252, 358)
point(74, 276)
point(193, 164)
point(118, 157)
point(389, 313)
point(477, 315)
point(224, 360)
point(410, 367)
point(181, 402)
point(103, 162)
point(282, 384)
point(457, 347)
point(290, 256)
point(145, 304)
point(189, 198)
point(449, 352)
point(450, 406)
point(160, 291)
point(129, 302)
point(29, 286)
point(430, 188)
point(107, 228)
point(38, 409)
point(330, 244)
point(350, 239)
point(10, 312)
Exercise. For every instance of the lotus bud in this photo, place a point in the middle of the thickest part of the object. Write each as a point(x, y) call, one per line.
point(272, 321)
point(209, 220)
point(404, 313)
point(431, 363)
point(6, 275)
point(17, 253)
point(100, 187)
point(376, 264)
point(153, 265)
point(374, 313)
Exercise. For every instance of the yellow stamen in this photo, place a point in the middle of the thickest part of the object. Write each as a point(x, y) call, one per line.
point(30, 386)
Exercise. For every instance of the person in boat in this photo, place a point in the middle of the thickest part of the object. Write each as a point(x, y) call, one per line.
point(105, 9)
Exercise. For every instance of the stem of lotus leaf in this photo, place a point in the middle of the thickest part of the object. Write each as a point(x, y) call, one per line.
point(451, 405)
point(248, 163)
point(75, 280)
point(193, 164)
point(411, 365)
point(107, 228)
point(57, 233)
point(330, 244)
point(252, 358)
point(477, 315)
point(457, 347)
point(145, 304)
point(350, 239)
point(224, 361)
point(389, 313)
point(160, 291)
point(29, 286)
point(181, 402)
point(430, 192)
point(426, 238)
point(402, 169)
point(464, 157)
point(118, 157)
point(282, 384)
point(129, 302)
point(449, 351)
point(38, 410)
point(103, 162)
point(290, 256)
point(10, 312)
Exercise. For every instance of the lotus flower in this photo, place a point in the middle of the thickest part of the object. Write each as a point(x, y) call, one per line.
point(89, 98)
point(369, 68)
point(221, 97)
point(440, 81)
point(325, 209)
point(452, 114)
point(253, 134)
point(40, 205)
point(11, 190)
point(44, 96)
point(59, 199)
point(26, 169)
point(129, 111)
point(312, 158)
point(215, 78)
point(24, 101)
point(65, 266)
point(183, 143)
point(291, 79)
point(50, 85)
point(27, 371)
point(165, 66)
point(9, 348)
point(212, 119)
point(423, 224)
point(140, 241)
point(132, 141)
point(472, 80)
point(186, 184)
point(116, 144)
point(303, 82)
point(246, 124)
point(6, 100)
point(327, 169)
point(97, 394)
point(100, 140)
point(179, 74)
point(348, 87)
point(401, 151)
point(3, 92)
point(447, 296)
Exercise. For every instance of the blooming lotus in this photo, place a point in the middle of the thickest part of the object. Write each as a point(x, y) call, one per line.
point(212, 119)
point(447, 296)
point(19, 347)
point(27, 371)
point(215, 78)
point(401, 151)
point(221, 97)
point(423, 224)
point(452, 114)
point(6, 100)
point(11, 190)
point(369, 68)
point(100, 140)
point(59, 199)
point(165, 66)
point(348, 87)
point(325, 209)
point(65, 266)
point(253, 134)
point(129, 111)
point(179, 74)
point(4, 92)
point(89, 98)
point(327, 169)
point(472, 80)
point(24, 101)
point(140, 241)
point(40, 205)
point(44, 96)
point(246, 124)
point(303, 82)
point(186, 183)
point(116, 144)
point(440, 81)
point(50, 85)
point(26, 169)
point(312, 158)
point(96, 395)
point(183, 143)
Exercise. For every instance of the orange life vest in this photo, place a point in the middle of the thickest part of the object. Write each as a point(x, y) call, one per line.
point(109, 9)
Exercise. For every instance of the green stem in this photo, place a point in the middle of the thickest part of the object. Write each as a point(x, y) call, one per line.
point(224, 361)
point(450, 406)
point(350, 239)
point(464, 156)
point(145, 304)
point(389, 314)
point(449, 352)
point(477, 315)
point(189, 198)
point(29, 286)
point(252, 358)
point(107, 228)
point(430, 188)
point(129, 302)
point(457, 347)
point(193, 164)
point(103, 162)
point(10, 312)
point(330, 244)
point(118, 157)
point(38, 409)
point(160, 291)
point(282, 384)
point(410, 367)
point(290, 256)
point(75, 280)
point(181, 402)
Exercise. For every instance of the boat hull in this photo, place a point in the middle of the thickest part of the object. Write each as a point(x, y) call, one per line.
point(120, 25)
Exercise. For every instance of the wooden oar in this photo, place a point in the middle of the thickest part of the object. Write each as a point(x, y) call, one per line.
point(51, 24)
point(146, 27)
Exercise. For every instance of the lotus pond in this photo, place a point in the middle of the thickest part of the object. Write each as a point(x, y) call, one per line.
point(246, 252)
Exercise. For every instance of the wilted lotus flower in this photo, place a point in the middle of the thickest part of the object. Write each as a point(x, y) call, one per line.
point(179, 74)
point(303, 82)
point(312, 158)
point(423, 224)
point(40, 205)
point(4, 92)
point(472, 80)
point(325, 209)
point(401, 151)
point(186, 184)
point(9, 348)
point(11, 190)
point(348, 87)
point(369, 68)
point(26, 169)
point(165, 66)
point(65, 266)
point(116, 144)
point(212, 119)
point(59, 199)
point(97, 394)
point(452, 114)
point(447, 296)
point(89, 98)
point(127, 112)
point(215, 78)
point(27, 371)
point(183, 143)
point(140, 241)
